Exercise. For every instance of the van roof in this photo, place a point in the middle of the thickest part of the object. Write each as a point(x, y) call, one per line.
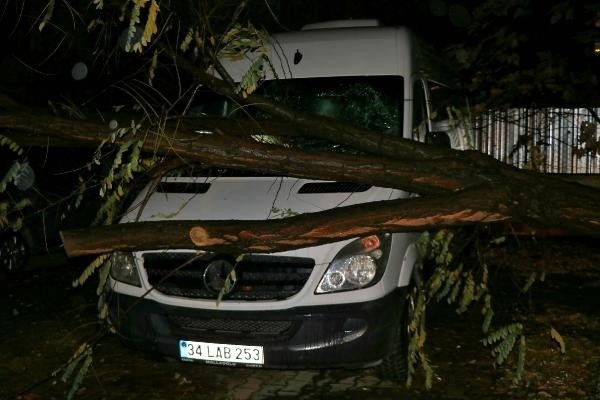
point(330, 50)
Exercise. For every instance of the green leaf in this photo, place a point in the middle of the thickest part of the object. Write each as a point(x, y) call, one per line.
point(80, 375)
point(227, 285)
point(529, 282)
point(89, 270)
point(103, 277)
point(487, 320)
point(558, 339)
point(522, 352)
point(49, 10)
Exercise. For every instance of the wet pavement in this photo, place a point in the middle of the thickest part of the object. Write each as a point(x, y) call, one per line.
point(43, 320)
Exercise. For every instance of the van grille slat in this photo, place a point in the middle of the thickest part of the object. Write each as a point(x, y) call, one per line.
point(334, 187)
point(259, 328)
point(183, 187)
point(258, 277)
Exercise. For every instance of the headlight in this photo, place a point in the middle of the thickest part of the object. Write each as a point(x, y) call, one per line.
point(123, 268)
point(359, 264)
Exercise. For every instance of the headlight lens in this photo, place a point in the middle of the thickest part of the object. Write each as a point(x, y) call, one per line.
point(356, 266)
point(360, 270)
point(123, 268)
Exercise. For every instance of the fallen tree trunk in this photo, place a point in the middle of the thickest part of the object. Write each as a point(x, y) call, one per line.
point(304, 230)
point(485, 204)
point(430, 176)
point(315, 125)
point(462, 181)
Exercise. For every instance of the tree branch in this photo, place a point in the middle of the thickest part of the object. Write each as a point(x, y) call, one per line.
point(423, 177)
point(304, 230)
point(523, 196)
point(318, 126)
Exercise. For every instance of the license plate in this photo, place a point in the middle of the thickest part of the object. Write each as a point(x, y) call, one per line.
point(222, 353)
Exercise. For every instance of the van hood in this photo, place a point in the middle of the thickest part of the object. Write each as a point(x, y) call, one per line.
point(248, 198)
point(252, 198)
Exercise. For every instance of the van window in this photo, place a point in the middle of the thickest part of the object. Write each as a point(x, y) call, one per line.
point(419, 117)
point(373, 102)
point(443, 101)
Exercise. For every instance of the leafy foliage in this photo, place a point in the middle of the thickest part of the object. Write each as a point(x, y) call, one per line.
point(589, 139)
point(98, 262)
point(116, 183)
point(453, 281)
point(10, 207)
point(251, 78)
point(529, 282)
point(103, 277)
point(251, 43)
point(283, 212)
point(510, 62)
point(417, 337)
point(10, 176)
point(82, 359)
point(135, 40)
point(503, 339)
point(11, 144)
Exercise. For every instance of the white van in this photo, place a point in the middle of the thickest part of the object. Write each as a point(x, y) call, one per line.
point(342, 304)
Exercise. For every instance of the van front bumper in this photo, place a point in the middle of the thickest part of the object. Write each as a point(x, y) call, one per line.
point(341, 335)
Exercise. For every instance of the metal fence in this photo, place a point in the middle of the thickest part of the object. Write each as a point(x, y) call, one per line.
point(556, 140)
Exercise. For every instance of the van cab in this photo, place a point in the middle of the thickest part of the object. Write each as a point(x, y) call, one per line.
point(342, 304)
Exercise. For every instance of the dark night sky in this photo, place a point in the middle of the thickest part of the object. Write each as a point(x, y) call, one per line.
point(36, 66)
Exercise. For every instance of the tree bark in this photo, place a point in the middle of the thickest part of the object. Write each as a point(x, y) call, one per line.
point(431, 176)
point(316, 125)
point(457, 188)
point(415, 214)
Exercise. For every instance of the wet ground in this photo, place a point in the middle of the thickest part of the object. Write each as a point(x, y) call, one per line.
point(43, 320)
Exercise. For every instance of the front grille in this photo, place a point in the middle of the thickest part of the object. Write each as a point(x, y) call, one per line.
point(229, 327)
point(259, 277)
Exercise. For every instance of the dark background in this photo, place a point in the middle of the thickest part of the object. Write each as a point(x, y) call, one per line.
point(527, 52)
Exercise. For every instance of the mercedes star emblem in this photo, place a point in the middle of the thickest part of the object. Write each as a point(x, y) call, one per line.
point(215, 275)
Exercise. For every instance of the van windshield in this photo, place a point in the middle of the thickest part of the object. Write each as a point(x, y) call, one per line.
point(372, 102)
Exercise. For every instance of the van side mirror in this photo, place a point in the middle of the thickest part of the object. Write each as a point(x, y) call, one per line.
point(438, 138)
